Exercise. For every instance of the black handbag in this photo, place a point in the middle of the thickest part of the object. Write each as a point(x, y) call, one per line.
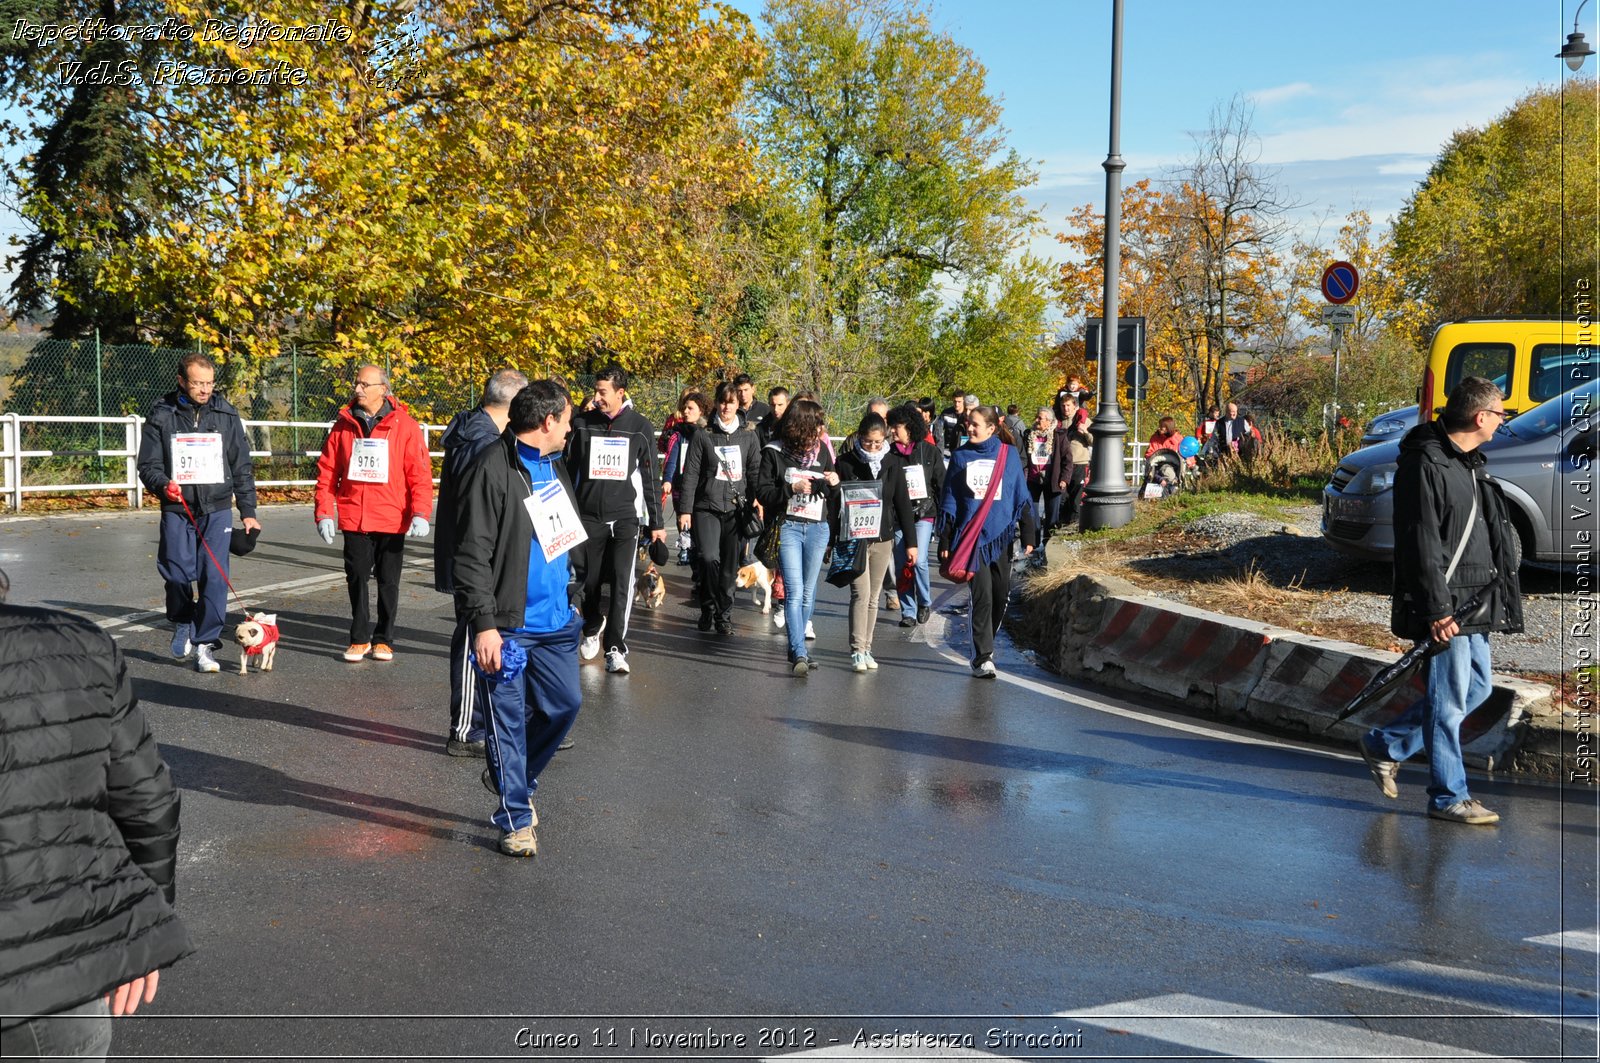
point(750, 526)
point(849, 561)
point(767, 544)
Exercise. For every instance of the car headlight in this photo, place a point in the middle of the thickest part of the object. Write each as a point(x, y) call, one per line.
point(1387, 426)
point(1373, 480)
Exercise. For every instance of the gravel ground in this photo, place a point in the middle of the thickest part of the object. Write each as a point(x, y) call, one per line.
point(1358, 591)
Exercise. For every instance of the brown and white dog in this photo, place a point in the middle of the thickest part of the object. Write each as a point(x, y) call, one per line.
point(755, 578)
point(649, 588)
point(257, 637)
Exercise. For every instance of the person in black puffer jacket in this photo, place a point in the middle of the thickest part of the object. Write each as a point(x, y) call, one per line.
point(718, 475)
point(88, 842)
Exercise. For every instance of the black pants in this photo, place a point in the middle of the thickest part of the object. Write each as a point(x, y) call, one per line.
point(716, 537)
point(991, 587)
point(366, 554)
point(1074, 493)
point(466, 713)
point(609, 555)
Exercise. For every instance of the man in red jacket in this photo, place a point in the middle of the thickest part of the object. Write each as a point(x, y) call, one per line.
point(376, 475)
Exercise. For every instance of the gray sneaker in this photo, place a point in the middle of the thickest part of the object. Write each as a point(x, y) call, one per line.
point(1468, 811)
point(182, 640)
point(1384, 772)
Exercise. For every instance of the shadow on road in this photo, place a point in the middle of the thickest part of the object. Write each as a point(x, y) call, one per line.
point(244, 707)
point(240, 780)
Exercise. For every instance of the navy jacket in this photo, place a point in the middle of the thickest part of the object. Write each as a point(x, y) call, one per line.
point(468, 435)
point(173, 414)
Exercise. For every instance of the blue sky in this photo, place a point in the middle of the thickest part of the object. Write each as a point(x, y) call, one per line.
point(1353, 99)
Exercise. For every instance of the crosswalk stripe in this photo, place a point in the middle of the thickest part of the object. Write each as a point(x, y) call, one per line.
point(1576, 940)
point(1477, 989)
point(1236, 1031)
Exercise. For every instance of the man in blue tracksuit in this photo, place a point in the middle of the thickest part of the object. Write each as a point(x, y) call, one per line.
point(194, 451)
point(468, 435)
point(515, 529)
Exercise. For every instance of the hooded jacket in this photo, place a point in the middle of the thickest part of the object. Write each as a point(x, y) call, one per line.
point(174, 413)
point(88, 820)
point(1012, 505)
point(634, 497)
point(1433, 489)
point(928, 455)
point(468, 435)
point(373, 507)
point(706, 486)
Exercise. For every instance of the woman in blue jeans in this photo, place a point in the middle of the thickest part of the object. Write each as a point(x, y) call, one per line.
point(796, 485)
point(909, 432)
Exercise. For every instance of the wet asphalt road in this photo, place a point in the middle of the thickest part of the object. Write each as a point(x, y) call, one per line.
point(730, 850)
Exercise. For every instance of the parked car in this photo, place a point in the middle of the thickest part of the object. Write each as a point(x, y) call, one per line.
point(1530, 359)
point(1534, 457)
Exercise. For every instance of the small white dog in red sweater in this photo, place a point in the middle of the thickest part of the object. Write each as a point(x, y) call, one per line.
point(258, 637)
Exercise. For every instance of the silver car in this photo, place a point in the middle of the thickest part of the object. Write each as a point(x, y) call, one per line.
point(1535, 458)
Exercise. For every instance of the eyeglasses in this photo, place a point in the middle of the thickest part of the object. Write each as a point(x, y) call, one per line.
point(1501, 413)
point(362, 384)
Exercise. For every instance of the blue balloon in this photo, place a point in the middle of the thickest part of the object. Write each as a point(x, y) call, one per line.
point(1190, 447)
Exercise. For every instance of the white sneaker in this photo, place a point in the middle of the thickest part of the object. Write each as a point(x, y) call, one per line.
point(616, 661)
point(203, 661)
point(589, 648)
point(985, 670)
point(872, 662)
point(777, 616)
point(811, 632)
point(858, 661)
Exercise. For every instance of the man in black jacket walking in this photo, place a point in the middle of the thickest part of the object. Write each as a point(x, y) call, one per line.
point(468, 435)
point(88, 840)
point(611, 457)
point(194, 451)
point(517, 529)
point(1453, 541)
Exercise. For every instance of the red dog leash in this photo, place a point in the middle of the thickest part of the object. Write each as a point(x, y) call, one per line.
point(215, 563)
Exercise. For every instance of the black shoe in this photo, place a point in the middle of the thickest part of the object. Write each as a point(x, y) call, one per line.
point(457, 748)
point(706, 622)
point(724, 626)
point(487, 778)
point(922, 614)
point(908, 621)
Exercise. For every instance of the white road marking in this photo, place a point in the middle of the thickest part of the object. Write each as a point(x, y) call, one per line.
point(1234, 1031)
point(1478, 989)
point(131, 623)
point(1576, 940)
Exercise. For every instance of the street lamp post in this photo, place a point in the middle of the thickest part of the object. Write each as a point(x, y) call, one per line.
point(1576, 50)
point(1108, 499)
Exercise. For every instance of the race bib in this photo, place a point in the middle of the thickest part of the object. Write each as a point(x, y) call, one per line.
point(863, 510)
point(730, 464)
point(556, 526)
point(197, 458)
point(1041, 451)
point(608, 457)
point(916, 482)
point(806, 507)
point(978, 474)
point(369, 461)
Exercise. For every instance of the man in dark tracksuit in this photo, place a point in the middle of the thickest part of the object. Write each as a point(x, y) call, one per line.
point(611, 457)
point(1453, 541)
point(516, 529)
point(194, 450)
point(468, 435)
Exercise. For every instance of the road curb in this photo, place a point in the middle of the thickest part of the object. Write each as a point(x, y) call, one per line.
point(1106, 631)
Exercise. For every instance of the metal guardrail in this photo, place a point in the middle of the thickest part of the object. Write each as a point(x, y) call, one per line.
point(15, 454)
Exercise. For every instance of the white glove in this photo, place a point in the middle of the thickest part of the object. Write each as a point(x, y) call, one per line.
point(325, 529)
point(419, 527)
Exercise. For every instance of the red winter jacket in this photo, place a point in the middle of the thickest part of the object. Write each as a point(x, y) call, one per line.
point(376, 507)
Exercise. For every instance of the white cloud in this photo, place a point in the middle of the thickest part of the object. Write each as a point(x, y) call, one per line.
point(1280, 93)
point(1412, 167)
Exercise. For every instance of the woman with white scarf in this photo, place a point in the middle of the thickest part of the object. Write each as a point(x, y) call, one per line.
point(871, 457)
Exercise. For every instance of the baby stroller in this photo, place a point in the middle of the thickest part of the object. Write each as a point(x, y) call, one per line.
point(1163, 474)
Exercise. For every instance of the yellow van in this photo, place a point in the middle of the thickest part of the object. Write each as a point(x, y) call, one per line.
point(1531, 359)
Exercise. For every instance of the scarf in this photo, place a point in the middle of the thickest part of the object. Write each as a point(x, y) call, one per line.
point(874, 461)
